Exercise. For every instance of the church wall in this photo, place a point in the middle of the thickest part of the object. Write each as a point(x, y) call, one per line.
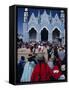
point(45, 23)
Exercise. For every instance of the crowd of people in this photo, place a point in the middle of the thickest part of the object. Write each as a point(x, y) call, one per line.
point(45, 62)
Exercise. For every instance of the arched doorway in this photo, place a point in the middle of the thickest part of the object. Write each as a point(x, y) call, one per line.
point(32, 34)
point(56, 34)
point(44, 35)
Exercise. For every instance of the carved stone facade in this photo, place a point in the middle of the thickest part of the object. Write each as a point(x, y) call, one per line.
point(44, 27)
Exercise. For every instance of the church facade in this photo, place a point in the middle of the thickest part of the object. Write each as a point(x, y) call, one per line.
point(44, 27)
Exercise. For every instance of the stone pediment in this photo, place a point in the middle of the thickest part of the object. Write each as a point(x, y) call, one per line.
point(45, 17)
point(33, 19)
point(56, 20)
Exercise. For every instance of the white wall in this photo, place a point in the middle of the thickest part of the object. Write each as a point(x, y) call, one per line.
point(4, 45)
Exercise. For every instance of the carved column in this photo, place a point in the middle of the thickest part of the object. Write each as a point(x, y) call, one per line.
point(50, 36)
point(38, 36)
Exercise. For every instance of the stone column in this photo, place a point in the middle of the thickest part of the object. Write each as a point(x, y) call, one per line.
point(25, 32)
point(38, 37)
point(50, 36)
point(27, 36)
point(62, 35)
